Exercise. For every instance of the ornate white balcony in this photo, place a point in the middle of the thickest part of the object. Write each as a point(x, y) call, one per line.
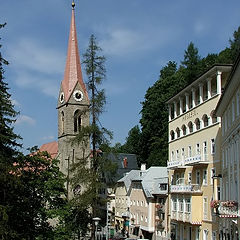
point(197, 159)
point(190, 188)
point(227, 209)
point(174, 164)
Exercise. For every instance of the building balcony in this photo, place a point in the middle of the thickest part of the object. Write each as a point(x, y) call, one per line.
point(175, 164)
point(182, 188)
point(197, 159)
point(225, 209)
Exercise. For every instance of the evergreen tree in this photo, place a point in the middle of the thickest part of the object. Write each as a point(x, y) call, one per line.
point(8, 155)
point(191, 63)
point(93, 172)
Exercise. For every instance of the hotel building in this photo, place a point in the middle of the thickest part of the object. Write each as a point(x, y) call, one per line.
point(229, 110)
point(193, 157)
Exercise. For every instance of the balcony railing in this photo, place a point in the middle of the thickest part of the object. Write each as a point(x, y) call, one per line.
point(228, 209)
point(174, 164)
point(196, 159)
point(190, 188)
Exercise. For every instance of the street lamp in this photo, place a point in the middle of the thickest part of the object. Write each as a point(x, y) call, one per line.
point(96, 221)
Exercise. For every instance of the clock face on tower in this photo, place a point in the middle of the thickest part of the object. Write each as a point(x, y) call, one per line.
point(78, 95)
point(61, 98)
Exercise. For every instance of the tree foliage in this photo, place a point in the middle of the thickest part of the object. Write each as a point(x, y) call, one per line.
point(154, 120)
point(93, 172)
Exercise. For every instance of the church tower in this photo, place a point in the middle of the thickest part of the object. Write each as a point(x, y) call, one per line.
point(73, 104)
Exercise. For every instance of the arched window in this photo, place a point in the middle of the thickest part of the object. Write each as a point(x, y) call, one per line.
point(214, 117)
point(77, 121)
point(178, 132)
point(62, 122)
point(205, 120)
point(197, 122)
point(190, 125)
point(172, 134)
point(184, 129)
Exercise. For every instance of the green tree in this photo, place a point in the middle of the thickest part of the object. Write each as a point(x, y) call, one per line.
point(8, 155)
point(39, 199)
point(191, 63)
point(95, 171)
point(154, 120)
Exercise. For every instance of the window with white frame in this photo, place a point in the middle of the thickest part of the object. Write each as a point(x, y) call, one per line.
point(181, 206)
point(183, 154)
point(198, 177)
point(146, 220)
point(205, 177)
point(172, 156)
point(174, 204)
point(205, 208)
point(212, 146)
point(205, 150)
point(188, 205)
point(189, 151)
point(198, 149)
point(177, 154)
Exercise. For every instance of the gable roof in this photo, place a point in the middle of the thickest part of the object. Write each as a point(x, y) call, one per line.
point(51, 148)
point(127, 179)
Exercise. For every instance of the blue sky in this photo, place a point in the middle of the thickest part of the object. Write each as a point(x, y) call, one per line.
point(138, 38)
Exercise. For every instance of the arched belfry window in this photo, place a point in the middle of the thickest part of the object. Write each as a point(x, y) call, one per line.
point(62, 122)
point(77, 121)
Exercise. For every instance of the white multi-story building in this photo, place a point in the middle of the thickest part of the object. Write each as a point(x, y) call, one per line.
point(229, 110)
point(194, 133)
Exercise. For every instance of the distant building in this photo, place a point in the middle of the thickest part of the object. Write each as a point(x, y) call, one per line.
point(141, 203)
point(194, 159)
point(228, 109)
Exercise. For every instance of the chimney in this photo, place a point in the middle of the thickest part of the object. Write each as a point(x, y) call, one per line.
point(143, 167)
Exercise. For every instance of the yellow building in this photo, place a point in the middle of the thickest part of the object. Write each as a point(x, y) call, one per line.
point(229, 110)
point(193, 157)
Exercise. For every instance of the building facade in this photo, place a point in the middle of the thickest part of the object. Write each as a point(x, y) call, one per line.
point(229, 110)
point(193, 157)
point(148, 204)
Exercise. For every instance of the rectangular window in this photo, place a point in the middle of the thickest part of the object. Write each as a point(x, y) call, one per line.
point(188, 205)
point(198, 177)
point(198, 149)
point(189, 178)
point(205, 208)
point(177, 154)
point(205, 177)
point(172, 156)
point(183, 154)
point(212, 146)
point(219, 193)
point(205, 150)
point(214, 235)
point(174, 204)
point(189, 151)
point(212, 174)
point(181, 207)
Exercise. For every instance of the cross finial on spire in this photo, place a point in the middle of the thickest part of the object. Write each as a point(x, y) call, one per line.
point(73, 4)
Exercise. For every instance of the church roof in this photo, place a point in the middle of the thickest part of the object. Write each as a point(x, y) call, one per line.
point(51, 148)
point(73, 72)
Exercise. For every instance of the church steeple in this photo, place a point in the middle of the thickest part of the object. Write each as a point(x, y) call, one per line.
point(73, 72)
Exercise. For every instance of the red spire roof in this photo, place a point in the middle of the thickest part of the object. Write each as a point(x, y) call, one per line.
point(73, 72)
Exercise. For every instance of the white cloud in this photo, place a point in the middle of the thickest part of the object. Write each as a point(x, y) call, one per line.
point(36, 66)
point(48, 138)
point(123, 42)
point(24, 119)
point(31, 55)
